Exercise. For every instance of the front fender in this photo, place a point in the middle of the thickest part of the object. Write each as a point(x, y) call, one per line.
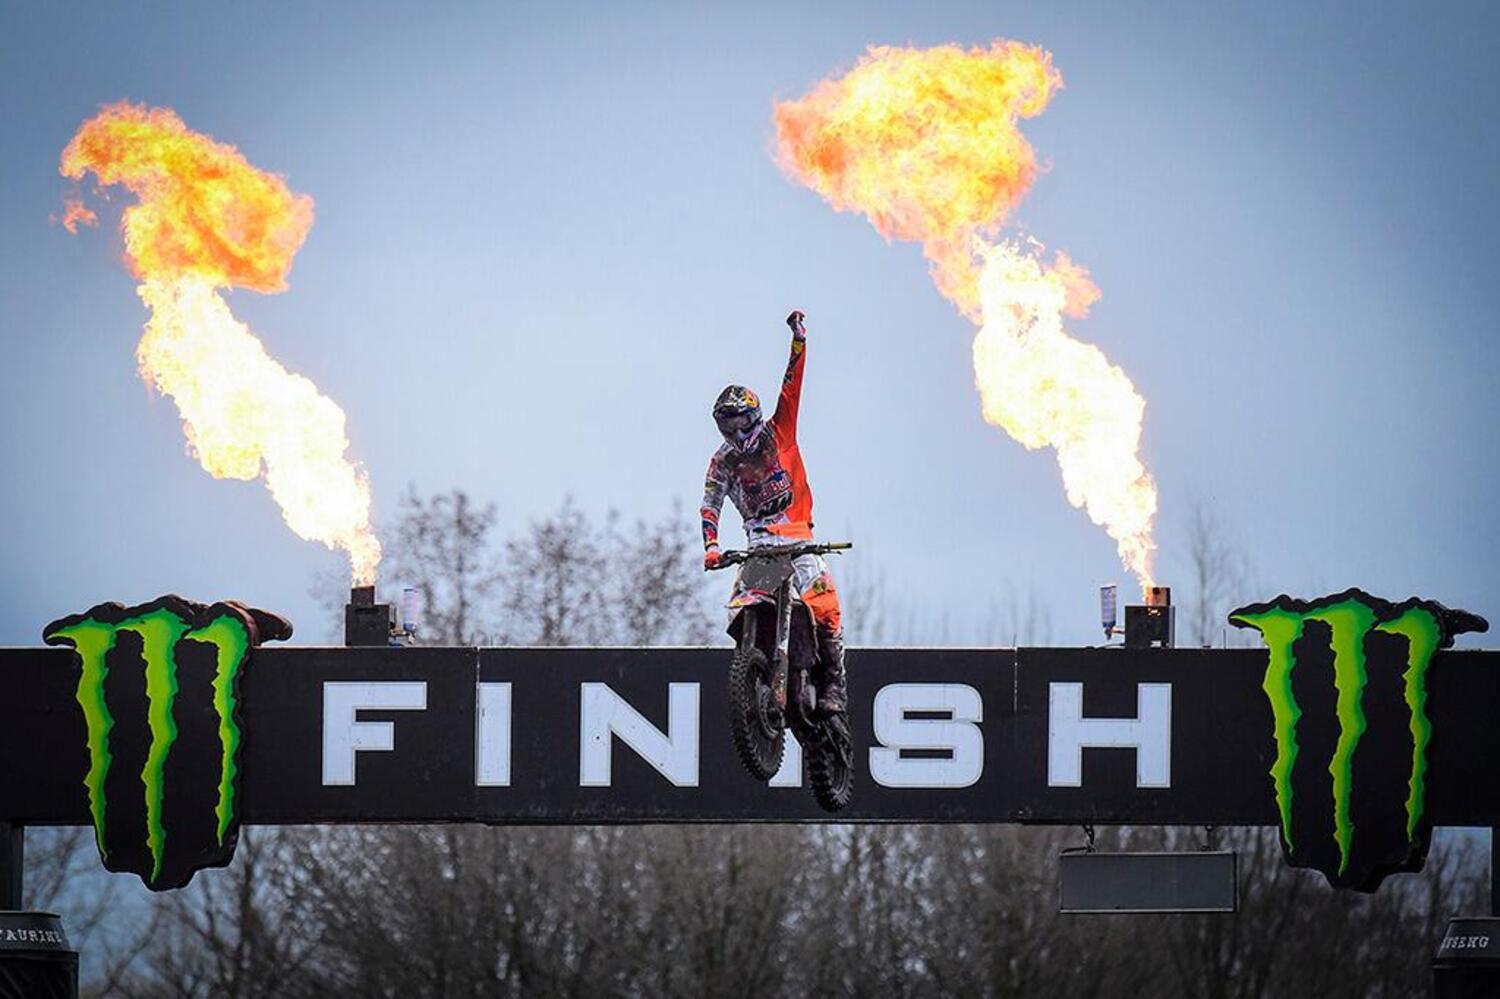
point(737, 619)
point(747, 602)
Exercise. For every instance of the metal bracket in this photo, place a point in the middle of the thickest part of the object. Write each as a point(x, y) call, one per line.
point(1088, 846)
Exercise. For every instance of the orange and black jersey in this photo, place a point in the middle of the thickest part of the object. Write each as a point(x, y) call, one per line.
point(765, 479)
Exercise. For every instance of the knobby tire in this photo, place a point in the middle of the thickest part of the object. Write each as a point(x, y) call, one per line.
point(832, 780)
point(759, 752)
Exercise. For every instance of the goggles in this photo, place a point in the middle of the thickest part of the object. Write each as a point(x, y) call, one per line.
point(734, 423)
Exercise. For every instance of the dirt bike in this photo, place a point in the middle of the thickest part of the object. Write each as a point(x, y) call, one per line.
point(770, 685)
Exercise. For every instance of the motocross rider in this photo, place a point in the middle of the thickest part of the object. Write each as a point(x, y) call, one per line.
point(760, 467)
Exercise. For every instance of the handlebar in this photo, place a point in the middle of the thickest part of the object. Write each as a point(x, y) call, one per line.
point(735, 557)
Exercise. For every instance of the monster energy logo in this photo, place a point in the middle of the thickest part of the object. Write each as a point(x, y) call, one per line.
point(1350, 618)
point(162, 628)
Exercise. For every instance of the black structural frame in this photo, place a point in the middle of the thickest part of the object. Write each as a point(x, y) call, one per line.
point(1220, 728)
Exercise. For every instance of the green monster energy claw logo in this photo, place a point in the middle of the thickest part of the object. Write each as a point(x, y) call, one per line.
point(1348, 619)
point(163, 629)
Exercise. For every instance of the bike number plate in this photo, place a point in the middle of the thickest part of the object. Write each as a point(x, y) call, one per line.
point(766, 574)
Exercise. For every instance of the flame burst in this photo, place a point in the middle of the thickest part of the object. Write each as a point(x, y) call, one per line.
point(76, 213)
point(206, 220)
point(926, 144)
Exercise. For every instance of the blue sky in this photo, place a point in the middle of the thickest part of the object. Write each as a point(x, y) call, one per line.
point(546, 237)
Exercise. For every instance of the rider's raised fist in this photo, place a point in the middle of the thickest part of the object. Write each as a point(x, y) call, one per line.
point(795, 322)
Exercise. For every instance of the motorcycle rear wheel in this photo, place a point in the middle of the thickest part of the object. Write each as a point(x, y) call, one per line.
point(830, 771)
point(759, 732)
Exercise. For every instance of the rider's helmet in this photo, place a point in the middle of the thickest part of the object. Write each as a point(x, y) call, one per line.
point(737, 412)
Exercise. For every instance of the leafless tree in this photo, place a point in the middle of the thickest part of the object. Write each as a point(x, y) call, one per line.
point(568, 581)
point(656, 587)
point(761, 909)
point(234, 934)
point(1293, 935)
point(1222, 577)
point(865, 599)
point(443, 546)
point(63, 876)
point(1018, 618)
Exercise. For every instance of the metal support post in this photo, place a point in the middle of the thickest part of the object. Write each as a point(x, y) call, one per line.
point(12, 864)
point(1495, 871)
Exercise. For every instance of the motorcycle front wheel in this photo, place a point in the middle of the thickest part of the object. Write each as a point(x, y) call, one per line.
point(758, 730)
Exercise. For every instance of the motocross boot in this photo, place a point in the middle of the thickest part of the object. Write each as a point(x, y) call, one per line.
point(832, 692)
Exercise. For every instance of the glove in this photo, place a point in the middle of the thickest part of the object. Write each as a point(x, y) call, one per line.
point(711, 558)
point(795, 322)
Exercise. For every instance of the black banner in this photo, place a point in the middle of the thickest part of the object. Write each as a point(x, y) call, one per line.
point(1061, 736)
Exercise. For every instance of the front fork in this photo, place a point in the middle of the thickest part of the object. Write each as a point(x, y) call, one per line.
point(782, 659)
point(781, 650)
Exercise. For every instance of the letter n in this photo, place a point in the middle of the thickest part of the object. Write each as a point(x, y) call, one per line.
point(603, 714)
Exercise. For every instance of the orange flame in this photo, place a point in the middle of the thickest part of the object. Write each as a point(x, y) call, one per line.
point(76, 213)
point(206, 220)
point(926, 143)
